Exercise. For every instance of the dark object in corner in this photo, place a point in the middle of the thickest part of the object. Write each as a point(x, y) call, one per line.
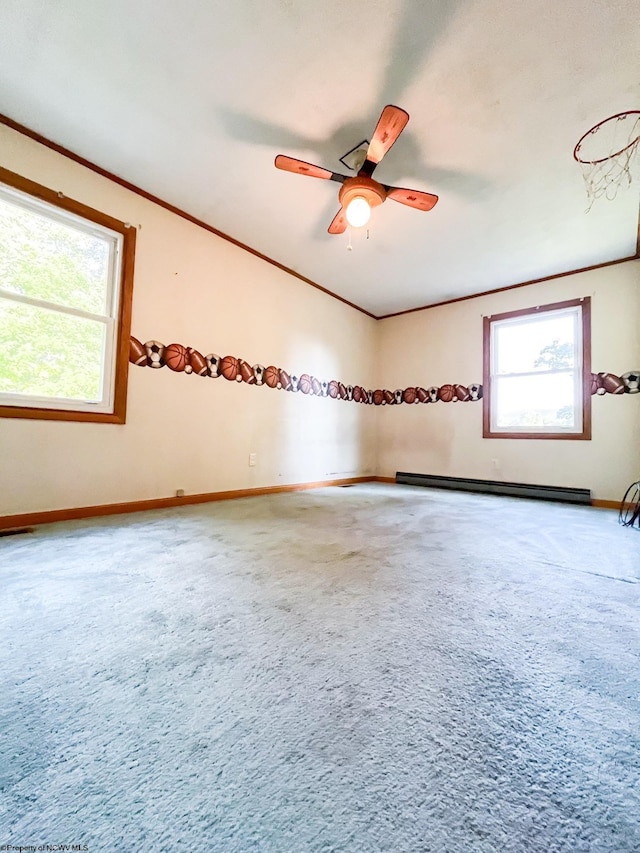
point(630, 506)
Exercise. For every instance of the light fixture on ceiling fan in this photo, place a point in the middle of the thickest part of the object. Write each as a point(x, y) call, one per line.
point(358, 211)
point(359, 195)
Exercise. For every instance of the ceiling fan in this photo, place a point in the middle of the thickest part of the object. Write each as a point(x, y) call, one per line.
point(358, 195)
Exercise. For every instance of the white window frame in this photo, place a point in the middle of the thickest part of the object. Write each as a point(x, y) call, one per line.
point(115, 319)
point(581, 371)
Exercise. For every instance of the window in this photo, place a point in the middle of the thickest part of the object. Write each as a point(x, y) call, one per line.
point(537, 372)
point(66, 275)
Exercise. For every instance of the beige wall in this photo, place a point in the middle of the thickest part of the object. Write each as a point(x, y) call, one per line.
point(183, 431)
point(444, 344)
point(196, 434)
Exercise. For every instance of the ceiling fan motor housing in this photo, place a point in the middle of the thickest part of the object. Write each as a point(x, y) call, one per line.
point(363, 186)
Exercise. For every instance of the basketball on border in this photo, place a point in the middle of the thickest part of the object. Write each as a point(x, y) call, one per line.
point(230, 368)
point(175, 357)
point(446, 393)
point(305, 384)
point(272, 376)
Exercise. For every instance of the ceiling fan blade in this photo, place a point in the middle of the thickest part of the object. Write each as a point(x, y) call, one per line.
point(290, 164)
point(412, 198)
point(391, 123)
point(339, 222)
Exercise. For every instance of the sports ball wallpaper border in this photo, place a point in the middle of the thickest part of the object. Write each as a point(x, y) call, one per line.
point(182, 359)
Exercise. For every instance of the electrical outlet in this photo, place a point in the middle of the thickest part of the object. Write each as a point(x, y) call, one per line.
point(179, 493)
point(252, 458)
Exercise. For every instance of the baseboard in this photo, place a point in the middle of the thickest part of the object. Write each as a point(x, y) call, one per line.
point(28, 519)
point(600, 504)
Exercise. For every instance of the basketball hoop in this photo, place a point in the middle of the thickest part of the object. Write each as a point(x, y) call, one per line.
point(605, 154)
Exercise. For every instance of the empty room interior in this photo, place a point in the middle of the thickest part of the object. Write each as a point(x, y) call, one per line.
point(319, 414)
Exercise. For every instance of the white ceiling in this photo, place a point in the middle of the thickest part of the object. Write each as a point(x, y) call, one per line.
point(192, 100)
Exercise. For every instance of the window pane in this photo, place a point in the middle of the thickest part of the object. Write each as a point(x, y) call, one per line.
point(536, 401)
point(51, 260)
point(47, 354)
point(540, 343)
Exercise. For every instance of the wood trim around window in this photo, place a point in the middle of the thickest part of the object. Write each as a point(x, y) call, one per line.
point(585, 435)
point(124, 312)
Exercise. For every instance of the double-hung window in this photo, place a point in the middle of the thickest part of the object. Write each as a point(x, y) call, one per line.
point(537, 372)
point(65, 300)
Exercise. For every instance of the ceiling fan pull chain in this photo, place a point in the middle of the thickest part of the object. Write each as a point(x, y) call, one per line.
point(349, 246)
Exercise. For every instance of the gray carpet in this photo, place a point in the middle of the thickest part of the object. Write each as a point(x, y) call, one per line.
point(376, 668)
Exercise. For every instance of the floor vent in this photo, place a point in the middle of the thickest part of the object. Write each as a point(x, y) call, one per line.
point(494, 487)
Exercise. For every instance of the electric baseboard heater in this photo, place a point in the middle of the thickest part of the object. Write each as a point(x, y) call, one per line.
point(495, 487)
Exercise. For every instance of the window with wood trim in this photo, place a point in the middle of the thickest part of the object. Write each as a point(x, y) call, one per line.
point(66, 281)
point(537, 372)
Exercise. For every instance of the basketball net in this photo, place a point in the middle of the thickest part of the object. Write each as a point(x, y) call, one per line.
point(606, 155)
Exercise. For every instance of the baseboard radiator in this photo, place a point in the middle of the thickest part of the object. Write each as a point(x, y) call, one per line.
point(495, 487)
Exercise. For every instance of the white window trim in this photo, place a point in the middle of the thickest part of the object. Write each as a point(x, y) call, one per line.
point(576, 371)
point(583, 365)
point(109, 319)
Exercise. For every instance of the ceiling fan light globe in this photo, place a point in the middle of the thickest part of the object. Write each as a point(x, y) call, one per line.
point(358, 211)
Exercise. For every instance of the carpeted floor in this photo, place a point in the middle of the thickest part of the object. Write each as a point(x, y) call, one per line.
point(375, 668)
